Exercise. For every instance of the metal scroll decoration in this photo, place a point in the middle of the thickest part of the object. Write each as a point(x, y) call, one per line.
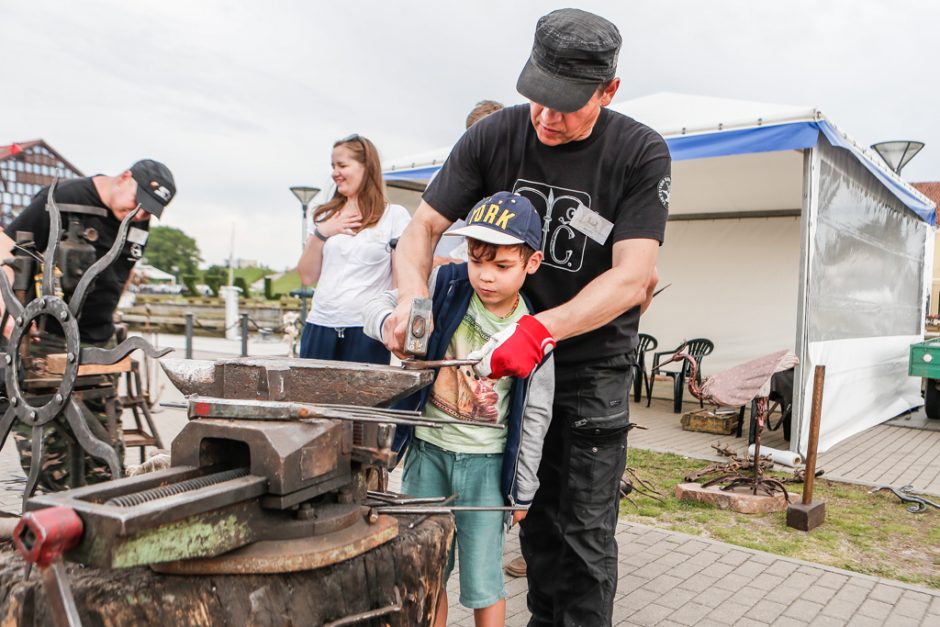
point(37, 411)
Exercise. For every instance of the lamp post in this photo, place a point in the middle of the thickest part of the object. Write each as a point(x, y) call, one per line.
point(304, 194)
point(897, 154)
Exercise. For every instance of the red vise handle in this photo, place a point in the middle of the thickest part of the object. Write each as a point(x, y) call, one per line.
point(44, 535)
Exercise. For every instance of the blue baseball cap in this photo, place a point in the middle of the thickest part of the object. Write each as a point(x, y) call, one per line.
point(503, 219)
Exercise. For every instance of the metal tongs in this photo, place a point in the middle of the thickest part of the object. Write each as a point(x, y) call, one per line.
point(420, 364)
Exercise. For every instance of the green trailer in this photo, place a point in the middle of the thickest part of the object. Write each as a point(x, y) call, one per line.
point(925, 362)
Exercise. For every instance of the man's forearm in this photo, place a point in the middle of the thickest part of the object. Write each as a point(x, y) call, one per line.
point(414, 253)
point(621, 288)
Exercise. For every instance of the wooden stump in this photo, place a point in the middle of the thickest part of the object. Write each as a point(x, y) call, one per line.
point(413, 563)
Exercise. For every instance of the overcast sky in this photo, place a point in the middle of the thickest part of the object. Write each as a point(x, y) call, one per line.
point(244, 99)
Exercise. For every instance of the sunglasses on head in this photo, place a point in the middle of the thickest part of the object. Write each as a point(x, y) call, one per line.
point(349, 138)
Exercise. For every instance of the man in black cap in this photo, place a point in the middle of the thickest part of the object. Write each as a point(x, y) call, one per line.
point(600, 181)
point(101, 202)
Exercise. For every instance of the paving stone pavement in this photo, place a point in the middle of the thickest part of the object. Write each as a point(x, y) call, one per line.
point(674, 579)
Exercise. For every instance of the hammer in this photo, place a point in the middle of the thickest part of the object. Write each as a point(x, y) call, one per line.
point(418, 331)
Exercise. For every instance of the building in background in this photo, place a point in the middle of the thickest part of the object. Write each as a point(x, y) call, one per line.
point(25, 168)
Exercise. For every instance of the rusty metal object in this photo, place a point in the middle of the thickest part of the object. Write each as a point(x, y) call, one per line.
point(296, 380)
point(35, 409)
point(292, 555)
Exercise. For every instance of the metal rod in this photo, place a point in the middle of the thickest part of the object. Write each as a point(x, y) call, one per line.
point(819, 379)
point(420, 519)
point(244, 328)
point(398, 499)
point(436, 509)
point(189, 335)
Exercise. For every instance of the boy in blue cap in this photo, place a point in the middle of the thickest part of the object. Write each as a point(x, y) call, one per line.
point(472, 303)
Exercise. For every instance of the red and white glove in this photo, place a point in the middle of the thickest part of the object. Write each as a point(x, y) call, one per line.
point(515, 351)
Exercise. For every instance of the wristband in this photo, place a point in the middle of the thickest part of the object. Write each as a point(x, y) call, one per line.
point(320, 236)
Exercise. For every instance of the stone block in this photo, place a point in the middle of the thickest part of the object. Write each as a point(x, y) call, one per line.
point(738, 500)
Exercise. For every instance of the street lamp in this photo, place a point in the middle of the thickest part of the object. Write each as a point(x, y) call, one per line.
point(304, 194)
point(897, 154)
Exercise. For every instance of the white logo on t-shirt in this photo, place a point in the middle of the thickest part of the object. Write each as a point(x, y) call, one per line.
point(562, 245)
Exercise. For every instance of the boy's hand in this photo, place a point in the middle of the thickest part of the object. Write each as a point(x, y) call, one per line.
point(516, 351)
point(517, 516)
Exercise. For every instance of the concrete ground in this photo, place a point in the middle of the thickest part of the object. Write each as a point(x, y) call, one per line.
point(665, 578)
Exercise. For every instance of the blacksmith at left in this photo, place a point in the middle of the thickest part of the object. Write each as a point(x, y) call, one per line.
point(93, 207)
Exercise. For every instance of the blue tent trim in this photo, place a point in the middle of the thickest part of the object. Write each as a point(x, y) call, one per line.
point(412, 174)
point(772, 138)
point(761, 139)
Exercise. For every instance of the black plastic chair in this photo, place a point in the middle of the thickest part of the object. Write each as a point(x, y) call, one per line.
point(697, 348)
point(641, 380)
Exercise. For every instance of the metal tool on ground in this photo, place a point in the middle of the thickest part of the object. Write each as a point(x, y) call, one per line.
point(418, 331)
point(809, 514)
point(919, 504)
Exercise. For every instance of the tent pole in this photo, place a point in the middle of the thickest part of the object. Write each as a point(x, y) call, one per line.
point(804, 369)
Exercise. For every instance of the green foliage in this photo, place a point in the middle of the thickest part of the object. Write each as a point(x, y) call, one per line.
point(287, 282)
point(268, 292)
point(215, 277)
point(169, 248)
point(243, 286)
point(189, 280)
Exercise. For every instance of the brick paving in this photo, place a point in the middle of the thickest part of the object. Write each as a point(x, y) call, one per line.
point(669, 578)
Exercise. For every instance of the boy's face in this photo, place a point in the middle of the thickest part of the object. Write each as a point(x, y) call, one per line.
point(498, 281)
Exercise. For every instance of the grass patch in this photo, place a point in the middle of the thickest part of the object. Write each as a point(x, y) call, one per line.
point(866, 533)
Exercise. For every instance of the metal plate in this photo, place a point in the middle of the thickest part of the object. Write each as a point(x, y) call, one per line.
point(288, 556)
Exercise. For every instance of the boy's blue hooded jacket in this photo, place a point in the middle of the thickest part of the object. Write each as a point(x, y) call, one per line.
point(530, 403)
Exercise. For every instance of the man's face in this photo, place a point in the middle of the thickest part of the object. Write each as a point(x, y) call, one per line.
point(555, 128)
point(124, 198)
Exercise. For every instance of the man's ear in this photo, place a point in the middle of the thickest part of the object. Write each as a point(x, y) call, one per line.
point(608, 95)
point(534, 262)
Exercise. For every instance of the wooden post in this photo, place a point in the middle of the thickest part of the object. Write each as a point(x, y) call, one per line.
point(808, 515)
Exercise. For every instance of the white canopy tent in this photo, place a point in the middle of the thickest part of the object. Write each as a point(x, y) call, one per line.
point(783, 233)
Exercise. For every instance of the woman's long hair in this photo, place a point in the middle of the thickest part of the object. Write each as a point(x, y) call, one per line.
point(371, 196)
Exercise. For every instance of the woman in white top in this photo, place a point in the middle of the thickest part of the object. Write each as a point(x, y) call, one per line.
point(349, 256)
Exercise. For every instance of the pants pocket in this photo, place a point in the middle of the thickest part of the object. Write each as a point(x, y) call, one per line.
point(597, 460)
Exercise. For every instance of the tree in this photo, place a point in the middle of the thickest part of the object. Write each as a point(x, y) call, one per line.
point(171, 250)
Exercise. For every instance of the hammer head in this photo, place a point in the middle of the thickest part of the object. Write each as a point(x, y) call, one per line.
point(419, 327)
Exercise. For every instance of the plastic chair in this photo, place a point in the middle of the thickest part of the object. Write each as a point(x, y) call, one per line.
point(641, 380)
point(697, 348)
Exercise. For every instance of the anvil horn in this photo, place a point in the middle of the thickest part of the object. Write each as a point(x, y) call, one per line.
point(191, 376)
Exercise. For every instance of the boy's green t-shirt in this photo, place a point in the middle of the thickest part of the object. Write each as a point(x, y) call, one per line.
point(452, 393)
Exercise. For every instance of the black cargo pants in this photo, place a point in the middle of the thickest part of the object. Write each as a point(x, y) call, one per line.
point(568, 535)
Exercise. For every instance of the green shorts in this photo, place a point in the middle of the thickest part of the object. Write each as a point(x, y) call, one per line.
point(433, 471)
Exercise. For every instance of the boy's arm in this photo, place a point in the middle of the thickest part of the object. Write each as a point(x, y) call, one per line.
point(536, 419)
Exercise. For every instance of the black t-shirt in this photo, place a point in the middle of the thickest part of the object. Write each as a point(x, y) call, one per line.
point(95, 322)
point(621, 171)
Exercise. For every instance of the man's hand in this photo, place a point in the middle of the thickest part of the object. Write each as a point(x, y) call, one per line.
point(518, 516)
point(516, 351)
point(395, 327)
